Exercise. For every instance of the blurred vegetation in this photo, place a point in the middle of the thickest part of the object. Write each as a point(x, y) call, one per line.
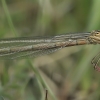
point(66, 74)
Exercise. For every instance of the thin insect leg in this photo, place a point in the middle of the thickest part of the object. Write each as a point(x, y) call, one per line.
point(95, 58)
point(95, 64)
point(97, 67)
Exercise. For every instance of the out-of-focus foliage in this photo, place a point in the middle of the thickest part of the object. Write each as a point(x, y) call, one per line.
point(66, 74)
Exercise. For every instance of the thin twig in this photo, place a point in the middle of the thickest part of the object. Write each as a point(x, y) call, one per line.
point(46, 96)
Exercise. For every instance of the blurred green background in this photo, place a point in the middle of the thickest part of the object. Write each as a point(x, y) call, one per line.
point(66, 74)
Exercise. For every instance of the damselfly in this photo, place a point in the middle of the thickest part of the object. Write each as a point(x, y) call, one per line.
point(34, 46)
